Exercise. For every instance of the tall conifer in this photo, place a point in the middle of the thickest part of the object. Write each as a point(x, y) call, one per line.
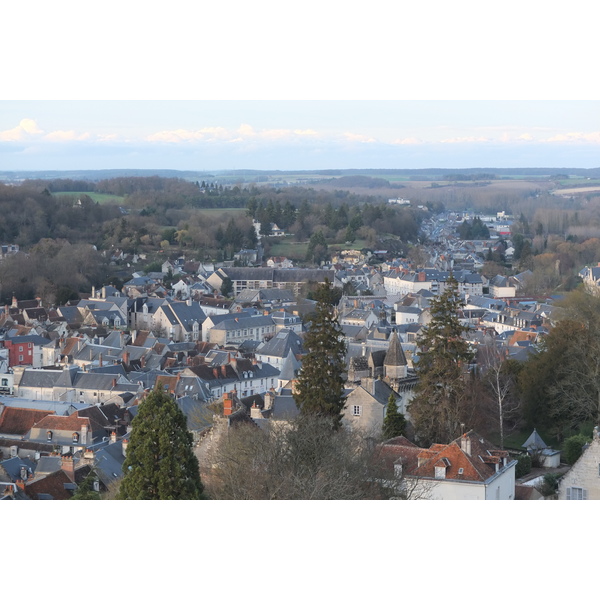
point(320, 386)
point(160, 463)
point(441, 401)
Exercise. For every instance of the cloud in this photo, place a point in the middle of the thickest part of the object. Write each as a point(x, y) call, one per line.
point(66, 136)
point(243, 133)
point(412, 141)
point(25, 129)
point(359, 137)
point(592, 137)
point(186, 135)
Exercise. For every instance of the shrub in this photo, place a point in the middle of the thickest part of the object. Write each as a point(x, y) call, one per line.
point(523, 465)
point(573, 447)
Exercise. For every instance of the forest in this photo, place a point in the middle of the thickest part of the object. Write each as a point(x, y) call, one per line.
point(68, 229)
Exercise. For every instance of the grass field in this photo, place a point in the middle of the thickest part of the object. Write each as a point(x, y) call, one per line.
point(95, 196)
point(297, 250)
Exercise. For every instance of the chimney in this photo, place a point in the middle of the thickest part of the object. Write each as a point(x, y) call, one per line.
point(227, 404)
point(20, 484)
point(269, 400)
point(113, 437)
point(23, 472)
point(125, 443)
point(83, 436)
point(126, 358)
point(68, 466)
point(421, 276)
point(224, 370)
point(465, 444)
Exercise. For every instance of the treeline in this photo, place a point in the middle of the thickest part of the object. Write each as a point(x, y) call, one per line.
point(29, 213)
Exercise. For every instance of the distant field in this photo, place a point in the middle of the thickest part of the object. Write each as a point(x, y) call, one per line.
point(576, 190)
point(96, 197)
point(297, 250)
point(291, 250)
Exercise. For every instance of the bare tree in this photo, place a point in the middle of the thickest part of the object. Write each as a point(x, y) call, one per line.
point(499, 376)
point(301, 460)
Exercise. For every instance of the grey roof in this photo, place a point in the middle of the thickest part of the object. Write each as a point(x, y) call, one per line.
point(12, 466)
point(244, 322)
point(289, 369)
point(281, 344)
point(395, 355)
point(108, 462)
point(57, 406)
point(36, 340)
point(39, 378)
point(534, 442)
point(284, 407)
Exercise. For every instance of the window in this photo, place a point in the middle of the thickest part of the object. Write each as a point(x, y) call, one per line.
point(357, 411)
point(576, 493)
point(20, 358)
point(49, 436)
point(75, 438)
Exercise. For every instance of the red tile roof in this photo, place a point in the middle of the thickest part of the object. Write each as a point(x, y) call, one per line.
point(63, 423)
point(18, 421)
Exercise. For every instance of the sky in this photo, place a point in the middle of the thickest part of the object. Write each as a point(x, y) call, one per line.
point(243, 85)
point(297, 135)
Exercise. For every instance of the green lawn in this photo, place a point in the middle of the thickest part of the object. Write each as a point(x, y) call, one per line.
point(95, 196)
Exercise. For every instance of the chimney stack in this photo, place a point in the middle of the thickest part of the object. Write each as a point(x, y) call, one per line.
point(113, 437)
point(227, 404)
point(125, 443)
point(68, 466)
point(465, 444)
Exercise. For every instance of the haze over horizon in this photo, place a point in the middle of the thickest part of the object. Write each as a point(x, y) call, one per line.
point(297, 135)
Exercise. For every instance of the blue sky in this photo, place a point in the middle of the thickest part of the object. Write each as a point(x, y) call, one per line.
point(284, 134)
point(335, 85)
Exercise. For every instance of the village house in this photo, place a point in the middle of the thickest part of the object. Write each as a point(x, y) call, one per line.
point(582, 480)
point(468, 468)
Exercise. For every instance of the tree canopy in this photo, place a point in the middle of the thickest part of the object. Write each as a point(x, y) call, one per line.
point(160, 463)
point(320, 386)
point(441, 402)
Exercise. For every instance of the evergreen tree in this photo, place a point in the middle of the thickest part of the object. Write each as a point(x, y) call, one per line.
point(160, 463)
point(85, 490)
point(394, 422)
point(227, 287)
point(441, 402)
point(320, 386)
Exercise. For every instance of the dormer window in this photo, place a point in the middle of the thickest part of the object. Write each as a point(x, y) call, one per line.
point(75, 438)
point(49, 436)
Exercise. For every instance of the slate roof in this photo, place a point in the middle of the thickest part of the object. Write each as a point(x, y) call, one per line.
point(534, 442)
point(394, 356)
point(12, 466)
point(281, 344)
